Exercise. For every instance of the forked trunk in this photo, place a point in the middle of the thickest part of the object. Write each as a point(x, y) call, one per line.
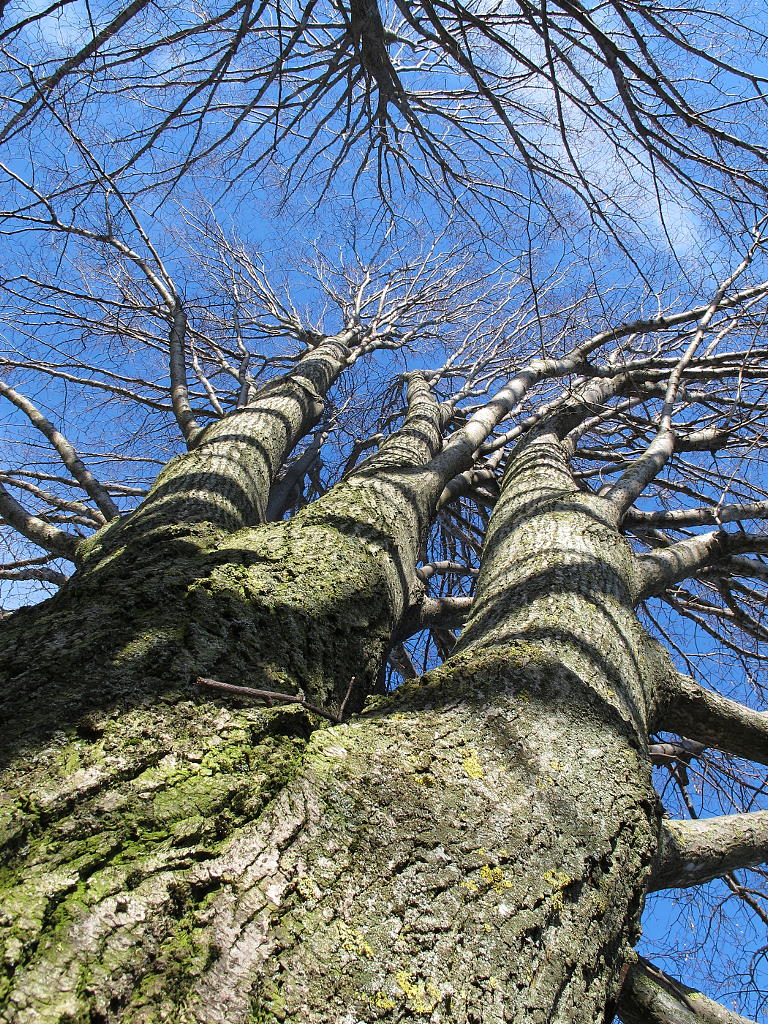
point(473, 848)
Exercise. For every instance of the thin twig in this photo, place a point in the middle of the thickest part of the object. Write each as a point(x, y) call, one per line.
point(273, 696)
point(346, 698)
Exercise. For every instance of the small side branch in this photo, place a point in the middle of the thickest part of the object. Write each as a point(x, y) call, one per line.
point(272, 697)
point(694, 852)
point(633, 481)
point(41, 573)
point(400, 660)
point(649, 996)
point(182, 410)
point(445, 568)
point(288, 487)
point(691, 710)
point(58, 542)
point(66, 452)
point(684, 751)
point(661, 568)
point(478, 476)
point(434, 613)
point(713, 516)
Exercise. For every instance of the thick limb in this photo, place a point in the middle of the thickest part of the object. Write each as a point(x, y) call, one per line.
point(666, 566)
point(66, 452)
point(303, 606)
point(649, 996)
point(58, 542)
point(435, 612)
point(691, 710)
point(225, 480)
point(693, 852)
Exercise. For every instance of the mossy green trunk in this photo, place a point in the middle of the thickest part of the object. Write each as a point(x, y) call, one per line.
point(473, 848)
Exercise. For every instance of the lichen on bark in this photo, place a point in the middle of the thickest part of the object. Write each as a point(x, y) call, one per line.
point(474, 847)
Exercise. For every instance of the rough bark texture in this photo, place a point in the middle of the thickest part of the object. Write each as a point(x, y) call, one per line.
point(474, 848)
point(444, 855)
point(306, 606)
point(225, 479)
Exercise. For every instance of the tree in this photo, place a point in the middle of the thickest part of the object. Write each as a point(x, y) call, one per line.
point(219, 806)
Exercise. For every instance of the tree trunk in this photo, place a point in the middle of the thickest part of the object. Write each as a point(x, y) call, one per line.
point(474, 847)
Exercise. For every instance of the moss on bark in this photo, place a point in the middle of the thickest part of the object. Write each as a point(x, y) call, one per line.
point(99, 850)
point(468, 850)
point(472, 849)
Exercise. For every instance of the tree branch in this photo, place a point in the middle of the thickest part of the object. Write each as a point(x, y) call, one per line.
point(65, 450)
point(44, 88)
point(419, 438)
point(649, 996)
point(286, 486)
point(691, 710)
point(693, 852)
point(182, 410)
point(31, 573)
point(270, 696)
point(59, 542)
point(687, 557)
point(433, 612)
point(713, 516)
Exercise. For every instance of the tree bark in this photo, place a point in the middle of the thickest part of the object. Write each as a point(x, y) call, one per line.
point(692, 710)
point(474, 847)
point(225, 480)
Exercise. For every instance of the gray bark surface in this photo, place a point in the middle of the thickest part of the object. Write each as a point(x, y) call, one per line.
point(693, 852)
point(692, 710)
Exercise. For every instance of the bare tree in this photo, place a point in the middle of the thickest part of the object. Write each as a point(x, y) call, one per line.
point(406, 626)
point(207, 808)
point(634, 111)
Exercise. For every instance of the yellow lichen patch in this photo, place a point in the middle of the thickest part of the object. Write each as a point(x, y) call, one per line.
point(495, 877)
point(422, 996)
point(470, 886)
point(601, 905)
point(555, 766)
point(382, 1001)
point(558, 880)
point(307, 887)
point(472, 766)
point(353, 940)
